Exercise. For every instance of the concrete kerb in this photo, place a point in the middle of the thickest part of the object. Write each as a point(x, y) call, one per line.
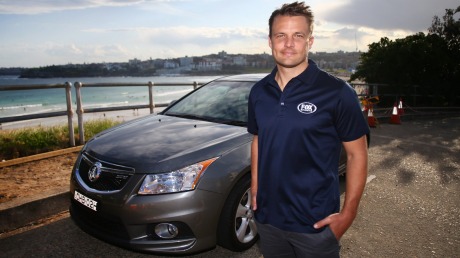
point(30, 212)
point(21, 213)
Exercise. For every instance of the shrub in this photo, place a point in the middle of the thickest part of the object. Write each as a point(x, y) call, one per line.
point(29, 141)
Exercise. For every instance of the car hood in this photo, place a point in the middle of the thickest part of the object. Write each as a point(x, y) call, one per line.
point(159, 143)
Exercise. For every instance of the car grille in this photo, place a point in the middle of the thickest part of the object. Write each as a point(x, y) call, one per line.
point(112, 178)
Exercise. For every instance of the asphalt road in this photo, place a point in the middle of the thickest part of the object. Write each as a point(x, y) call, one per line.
point(411, 206)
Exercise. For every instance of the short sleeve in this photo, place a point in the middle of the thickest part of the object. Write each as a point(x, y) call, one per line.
point(350, 121)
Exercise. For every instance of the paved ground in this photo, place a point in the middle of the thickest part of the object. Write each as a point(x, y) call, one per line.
point(411, 206)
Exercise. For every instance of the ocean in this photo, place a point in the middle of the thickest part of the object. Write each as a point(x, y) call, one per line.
point(24, 102)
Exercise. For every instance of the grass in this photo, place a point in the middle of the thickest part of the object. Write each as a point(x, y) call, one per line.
point(29, 141)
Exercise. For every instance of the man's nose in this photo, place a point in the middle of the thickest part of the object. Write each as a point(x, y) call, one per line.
point(289, 42)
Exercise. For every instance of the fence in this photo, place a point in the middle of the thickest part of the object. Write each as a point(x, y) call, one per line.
point(416, 103)
point(413, 95)
point(385, 93)
point(80, 110)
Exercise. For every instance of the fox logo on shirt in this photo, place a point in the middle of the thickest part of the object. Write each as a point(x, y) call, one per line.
point(306, 108)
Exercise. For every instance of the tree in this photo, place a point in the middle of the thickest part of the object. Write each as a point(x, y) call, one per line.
point(429, 62)
point(449, 29)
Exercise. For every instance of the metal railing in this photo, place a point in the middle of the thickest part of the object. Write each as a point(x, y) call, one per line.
point(67, 86)
point(365, 90)
point(80, 110)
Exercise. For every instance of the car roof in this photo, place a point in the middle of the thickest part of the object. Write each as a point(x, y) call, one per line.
point(244, 77)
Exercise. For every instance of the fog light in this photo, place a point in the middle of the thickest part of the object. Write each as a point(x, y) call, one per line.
point(166, 230)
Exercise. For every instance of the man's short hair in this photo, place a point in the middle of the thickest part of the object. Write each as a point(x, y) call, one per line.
point(293, 9)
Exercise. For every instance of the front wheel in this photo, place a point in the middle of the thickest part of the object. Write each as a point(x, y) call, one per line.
point(237, 228)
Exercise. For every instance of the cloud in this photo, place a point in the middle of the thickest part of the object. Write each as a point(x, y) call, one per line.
point(351, 38)
point(142, 43)
point(411, 15)
point(28, 55)
point(62, 50)
point(48, 6)
point(181, 41)
point(85, 53)
point(180, 35)
point(201, 35)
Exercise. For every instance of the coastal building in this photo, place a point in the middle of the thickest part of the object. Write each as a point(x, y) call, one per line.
point(208, 64)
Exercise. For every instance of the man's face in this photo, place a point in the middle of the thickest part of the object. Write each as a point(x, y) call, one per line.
point(290, 41)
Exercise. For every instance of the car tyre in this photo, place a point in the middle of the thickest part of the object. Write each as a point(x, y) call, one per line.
point(237, 229)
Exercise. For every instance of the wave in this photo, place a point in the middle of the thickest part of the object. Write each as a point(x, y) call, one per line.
point(112, 104)
point(101, 100)
point(21, 106)
point(29, 112)
point(40, 108)
point(168, 93)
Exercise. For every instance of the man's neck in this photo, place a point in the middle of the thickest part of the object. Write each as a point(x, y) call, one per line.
point(285, 74)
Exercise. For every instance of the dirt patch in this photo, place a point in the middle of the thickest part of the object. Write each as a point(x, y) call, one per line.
point(31, 179)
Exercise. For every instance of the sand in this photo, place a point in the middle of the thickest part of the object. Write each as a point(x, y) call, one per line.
point(33, 180)
point(121, 115)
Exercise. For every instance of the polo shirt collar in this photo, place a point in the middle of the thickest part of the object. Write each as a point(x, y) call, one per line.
point(306, 77)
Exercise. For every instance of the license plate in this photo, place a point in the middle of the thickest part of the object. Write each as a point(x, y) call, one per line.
point(88, 202)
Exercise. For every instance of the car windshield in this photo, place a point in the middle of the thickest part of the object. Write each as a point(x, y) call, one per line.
point(218, 101)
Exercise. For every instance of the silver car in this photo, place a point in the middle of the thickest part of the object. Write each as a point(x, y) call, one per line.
point(176, 182)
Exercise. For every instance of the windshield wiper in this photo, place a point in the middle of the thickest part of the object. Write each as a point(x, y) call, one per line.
point(227, 121)
point(237, 123)
point(209, 119)
point(188, 116)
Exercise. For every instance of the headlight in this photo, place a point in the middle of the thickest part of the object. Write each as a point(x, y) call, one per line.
point(184, 179)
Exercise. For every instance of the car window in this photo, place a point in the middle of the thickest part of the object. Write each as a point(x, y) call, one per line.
point(218, 101)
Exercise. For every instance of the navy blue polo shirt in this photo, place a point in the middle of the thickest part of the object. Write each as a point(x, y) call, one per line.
point(300, 132)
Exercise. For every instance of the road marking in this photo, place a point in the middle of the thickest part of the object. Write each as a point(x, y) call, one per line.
point(370, 178)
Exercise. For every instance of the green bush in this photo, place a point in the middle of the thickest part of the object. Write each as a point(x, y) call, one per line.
point(93, 127)
point(29, 141)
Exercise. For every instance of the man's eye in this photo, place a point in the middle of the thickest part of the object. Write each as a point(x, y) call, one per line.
point(299, 36)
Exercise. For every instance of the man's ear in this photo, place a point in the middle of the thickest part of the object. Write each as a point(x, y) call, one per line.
point(311, 40)
point(270, 42)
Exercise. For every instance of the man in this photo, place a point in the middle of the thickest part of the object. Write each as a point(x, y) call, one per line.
point(300, 116)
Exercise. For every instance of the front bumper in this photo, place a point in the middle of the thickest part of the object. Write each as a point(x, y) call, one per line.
point(128, 220)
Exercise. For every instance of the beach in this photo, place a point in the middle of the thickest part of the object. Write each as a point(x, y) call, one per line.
point(35, 101)
point(120, 115)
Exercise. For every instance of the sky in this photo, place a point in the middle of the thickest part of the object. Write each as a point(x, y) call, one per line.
point(36, 33)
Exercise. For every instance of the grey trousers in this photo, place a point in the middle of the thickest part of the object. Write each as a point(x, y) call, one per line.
point(278, 243)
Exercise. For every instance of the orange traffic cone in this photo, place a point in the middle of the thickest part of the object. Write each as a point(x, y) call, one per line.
point(400, 107)
point(370, 118)
point(395, 119)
